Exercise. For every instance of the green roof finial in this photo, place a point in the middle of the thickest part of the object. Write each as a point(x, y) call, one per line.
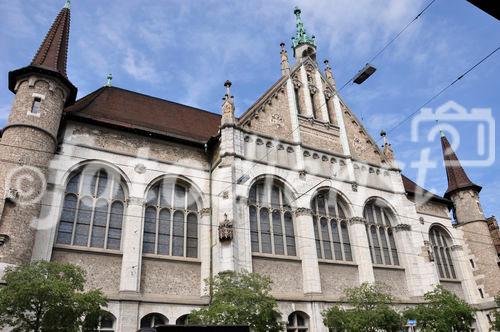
point(110, 78)
point(301, 36)
point(68, 4)
point(442, 133)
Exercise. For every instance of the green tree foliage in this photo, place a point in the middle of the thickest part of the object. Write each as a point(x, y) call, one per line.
point(47, 296)
point(442, 312)
point(240, 299)
point(369, 311)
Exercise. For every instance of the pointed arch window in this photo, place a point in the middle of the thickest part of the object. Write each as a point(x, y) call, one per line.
point(330, 227)
point(93, 208)
point(271, 220)
point(380, 234)
point(441, 247)
point(171, 220)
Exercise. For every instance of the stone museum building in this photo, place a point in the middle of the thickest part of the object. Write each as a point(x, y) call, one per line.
point(151, 197)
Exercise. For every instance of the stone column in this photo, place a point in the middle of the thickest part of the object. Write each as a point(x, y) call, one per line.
point(408, 258)
point(343, 135)
point(129, 316)
point(307, 251)
point(308, 109)
point(322, 109)
point(132, 246)
point(205, 248)
point(361, 249)
point(46, 232)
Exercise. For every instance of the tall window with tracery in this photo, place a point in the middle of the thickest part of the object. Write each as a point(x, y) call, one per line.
point(171, 220)
point(380, 234)
point(441, 247)
point(271, 220)
point(330, 227)
point(92, 213)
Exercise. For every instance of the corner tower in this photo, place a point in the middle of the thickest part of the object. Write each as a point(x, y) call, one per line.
point(470, 219)
point(29, 139)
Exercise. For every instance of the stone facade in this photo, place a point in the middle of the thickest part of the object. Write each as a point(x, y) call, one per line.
point(299, 137)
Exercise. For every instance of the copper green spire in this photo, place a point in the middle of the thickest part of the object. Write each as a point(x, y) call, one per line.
point(67, 4)
point(301, 36)
point(110, 79)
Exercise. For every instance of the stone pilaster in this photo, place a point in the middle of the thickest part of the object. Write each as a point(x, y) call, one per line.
point(361, 249)
point(132, 246)
point(307, 251)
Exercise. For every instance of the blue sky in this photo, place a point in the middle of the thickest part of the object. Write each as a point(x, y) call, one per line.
point(185, 50)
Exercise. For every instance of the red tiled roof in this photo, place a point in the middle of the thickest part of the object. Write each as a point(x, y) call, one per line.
point(132, 110)
point(53, 52)
point(414, 189)
point(51, 57)
point(457, 178)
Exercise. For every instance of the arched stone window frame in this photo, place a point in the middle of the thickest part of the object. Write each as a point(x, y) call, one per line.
point(380, 220)
point(330, 214)
point(153, 319)
point(183, 218)
point(269, 205)
point(106, 323)
point(298, 321)
point(94, 201)
point(441, 243)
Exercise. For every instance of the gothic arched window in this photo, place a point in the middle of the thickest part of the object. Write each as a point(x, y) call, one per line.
point(330, 227)
point(92, 213)
point(271, 219)
point(153, 320)
point(171, 220)
point(298, 321)
point(380, 234)
point(441, 243)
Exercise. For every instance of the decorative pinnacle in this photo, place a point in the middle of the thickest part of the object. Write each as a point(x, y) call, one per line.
point(109, 78)
point(282, 45)
point(67, 4)
point(327, 64)
point(383, 133)
point(228, 84)
point(442, 133)
point(301, 36)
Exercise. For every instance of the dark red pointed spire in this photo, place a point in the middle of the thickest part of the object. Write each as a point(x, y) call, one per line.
point(51, 58)
point(457, 178)
point(53, 52)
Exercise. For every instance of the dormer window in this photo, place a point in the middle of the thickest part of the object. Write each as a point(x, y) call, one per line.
point(35, 109)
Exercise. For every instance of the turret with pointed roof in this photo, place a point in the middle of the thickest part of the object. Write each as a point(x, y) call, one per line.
point(52, 55)
point(457, 178)
point(30, 138)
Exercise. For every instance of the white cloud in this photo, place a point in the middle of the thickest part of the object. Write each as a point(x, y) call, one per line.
point(139, 67)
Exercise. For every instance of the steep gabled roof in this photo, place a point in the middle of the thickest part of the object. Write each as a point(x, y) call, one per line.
point(131, 110)
point(457, 178)
point(413, 189)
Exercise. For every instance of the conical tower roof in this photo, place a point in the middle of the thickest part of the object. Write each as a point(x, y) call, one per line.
point(52, 55)
point(457, 178)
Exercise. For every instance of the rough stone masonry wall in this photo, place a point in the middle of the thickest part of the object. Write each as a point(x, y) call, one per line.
point(286, 275)
point(136, 145)
point(27, 146)
point(102, 270)
point(335, 278)
point(478, 240)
